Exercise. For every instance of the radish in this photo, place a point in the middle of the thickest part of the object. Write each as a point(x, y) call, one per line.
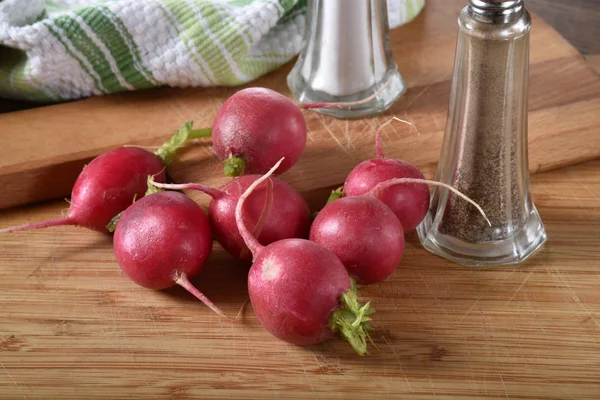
point(256, 127)
point(273, 212)
point(300, 291)
point(109, 183)
point(408, 201)
point(162, 240)
point(364, 234)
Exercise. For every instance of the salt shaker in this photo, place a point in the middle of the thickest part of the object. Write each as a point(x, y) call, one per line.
point(484, 152)
point(347, 57)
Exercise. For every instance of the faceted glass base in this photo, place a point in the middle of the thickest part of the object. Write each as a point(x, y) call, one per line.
point(512, 250)
point(394, 89)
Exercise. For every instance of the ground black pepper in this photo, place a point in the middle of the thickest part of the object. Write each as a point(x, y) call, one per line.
point(484, 154)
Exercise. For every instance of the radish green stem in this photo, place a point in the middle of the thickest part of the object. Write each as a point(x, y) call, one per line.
point(352, 320)
point(182, 280)
point(142, 147)
point(384, 185)
point(335, 195)
point(212, 192)
point(39, 225)
point(151, 187)
point(112, 224)
point(234, 166)
point(167, 151)
point(200, 133)
point(253, 244)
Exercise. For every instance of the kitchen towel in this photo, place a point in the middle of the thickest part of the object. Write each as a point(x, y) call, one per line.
point(67, 49)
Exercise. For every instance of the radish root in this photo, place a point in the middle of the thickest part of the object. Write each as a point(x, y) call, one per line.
point(378, 147)
point(212, 192)
point(239, 314)
point(264, 215)
point(253, 244)
point(384, 185)
point(45, 224)
point(182, 280)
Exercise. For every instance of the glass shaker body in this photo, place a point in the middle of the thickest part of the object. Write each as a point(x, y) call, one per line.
point(485, 152)
point(347, 57)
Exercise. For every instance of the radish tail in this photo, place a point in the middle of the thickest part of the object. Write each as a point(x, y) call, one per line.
point(214, 193)
point(264, 215)
point(266, 211)
point(39, 225)
point(239, 314)
point(249, 239)
point(352, 320)
point(182, 280)
point(378, 147)
point(384, 185)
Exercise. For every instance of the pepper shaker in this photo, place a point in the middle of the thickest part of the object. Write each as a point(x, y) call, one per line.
point(347, 57)
point(484, 152)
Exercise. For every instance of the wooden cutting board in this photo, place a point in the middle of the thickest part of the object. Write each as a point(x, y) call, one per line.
point(44, 149)
point(72, 326)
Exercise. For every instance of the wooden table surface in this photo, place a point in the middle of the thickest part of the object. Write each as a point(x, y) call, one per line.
point(73, 326)
point(442, 331)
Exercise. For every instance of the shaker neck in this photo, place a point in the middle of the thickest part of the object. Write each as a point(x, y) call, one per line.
point(496, 11)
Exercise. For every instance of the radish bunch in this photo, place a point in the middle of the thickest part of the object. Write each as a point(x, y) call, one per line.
point(302, 282)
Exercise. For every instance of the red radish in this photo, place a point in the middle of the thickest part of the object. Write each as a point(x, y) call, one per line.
point(408, 201)
point(111, 182)
point(162, 240)
point(273, 212)
point(256, 127)
point(364, 234)
point(300, 291)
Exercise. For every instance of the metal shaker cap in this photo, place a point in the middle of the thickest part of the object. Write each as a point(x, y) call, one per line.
point(496, 11)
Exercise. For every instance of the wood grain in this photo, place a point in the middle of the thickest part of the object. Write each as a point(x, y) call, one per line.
point(564, 106)
point(72, 326)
